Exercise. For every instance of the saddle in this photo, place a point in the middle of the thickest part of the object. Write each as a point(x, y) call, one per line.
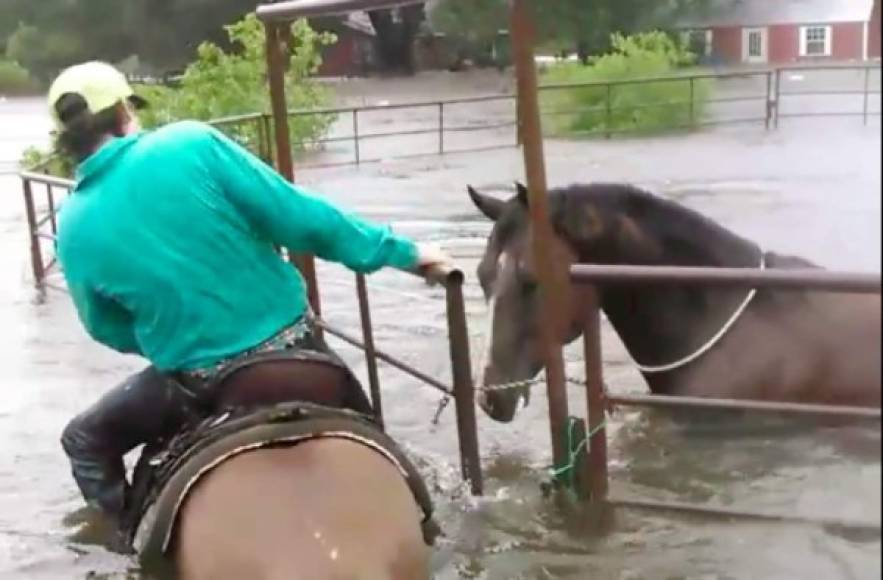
point(271, 399)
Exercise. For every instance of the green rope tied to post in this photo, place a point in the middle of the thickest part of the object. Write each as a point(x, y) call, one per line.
point(566, 474)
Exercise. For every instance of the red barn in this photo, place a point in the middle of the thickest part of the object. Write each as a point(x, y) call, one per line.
point(353, 53)
point(785, 31)
point(874, 32)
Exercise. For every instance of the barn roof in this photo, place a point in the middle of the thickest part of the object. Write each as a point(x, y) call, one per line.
point(769, 12)
point(290, 10)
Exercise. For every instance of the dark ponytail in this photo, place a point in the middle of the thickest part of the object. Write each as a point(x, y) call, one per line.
point(83, 130)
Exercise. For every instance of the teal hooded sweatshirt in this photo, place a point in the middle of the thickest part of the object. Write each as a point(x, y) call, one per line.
point(167, 246)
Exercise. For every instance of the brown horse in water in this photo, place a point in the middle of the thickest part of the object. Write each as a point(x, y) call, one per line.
point(800, 346)
point(280, 483)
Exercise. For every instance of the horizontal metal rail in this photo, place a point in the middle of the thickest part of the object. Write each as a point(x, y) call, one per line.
point(404, 367)
point(770, 116)
point(772, 407)
point(46, 179)
point(735, 513)
point(601, 401)
point(817, 280)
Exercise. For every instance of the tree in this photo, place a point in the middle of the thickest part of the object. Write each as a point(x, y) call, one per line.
point(164, 33)
point(169, 32)
point(41, 52)
point(396, 30)
point(223, 83)
point(471, 24)
point(583, 26)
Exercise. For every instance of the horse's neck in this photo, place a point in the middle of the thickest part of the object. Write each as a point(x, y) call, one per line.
point(662, 324)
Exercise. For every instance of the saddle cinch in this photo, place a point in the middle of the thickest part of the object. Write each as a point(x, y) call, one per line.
point(278, 398)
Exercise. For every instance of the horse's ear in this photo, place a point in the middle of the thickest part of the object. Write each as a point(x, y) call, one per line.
point(491, 207)
point(523, 194)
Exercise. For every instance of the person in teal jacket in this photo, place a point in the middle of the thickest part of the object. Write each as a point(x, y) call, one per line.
point(168, 247)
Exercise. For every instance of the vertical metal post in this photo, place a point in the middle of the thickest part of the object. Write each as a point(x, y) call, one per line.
point(464, 389)
point(595, 399)
point(263, 137)
point(284, 162)
point(50, 204)
point(581, 476)
point(441, 128)
point(541, 228)
point(692, 102)
point(370, 350)
point(36, 253)
point(769, 99)
point(356, 136)
point(259, 130)
point(268, 135)
point(777, 102)
point(608, 119)
point(865, 96)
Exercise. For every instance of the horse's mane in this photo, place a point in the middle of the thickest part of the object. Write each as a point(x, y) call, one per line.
point(663, 219)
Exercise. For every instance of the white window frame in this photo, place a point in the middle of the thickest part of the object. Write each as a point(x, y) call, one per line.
point(763, 57)
point(827, 43)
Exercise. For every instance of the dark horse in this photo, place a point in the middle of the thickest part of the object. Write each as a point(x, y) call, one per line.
point(800, 346)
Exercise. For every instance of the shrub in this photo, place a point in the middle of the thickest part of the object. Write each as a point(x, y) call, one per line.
point(640, 107)
point(220, 84)
point(43, 52)
point(15, 80)
point(39, 161)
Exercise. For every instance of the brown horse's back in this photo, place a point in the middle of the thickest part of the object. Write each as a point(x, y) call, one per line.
point(813, 347)
point(853, 341)
point(322, 510)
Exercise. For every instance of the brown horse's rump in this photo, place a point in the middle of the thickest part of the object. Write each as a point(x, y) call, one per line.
point(162, 483)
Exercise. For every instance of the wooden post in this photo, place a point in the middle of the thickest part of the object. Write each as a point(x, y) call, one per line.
point(530, 130)
point(276, 60)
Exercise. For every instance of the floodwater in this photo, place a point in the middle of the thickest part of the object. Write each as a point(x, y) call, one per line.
point(811, 188)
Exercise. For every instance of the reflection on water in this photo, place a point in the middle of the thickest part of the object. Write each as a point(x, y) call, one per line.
point(761, 185)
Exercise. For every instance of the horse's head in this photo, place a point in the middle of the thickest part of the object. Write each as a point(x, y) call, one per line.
point(600, 223)
point(508, 277)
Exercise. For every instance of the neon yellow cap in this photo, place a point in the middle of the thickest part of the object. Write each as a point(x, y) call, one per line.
point(100, 84)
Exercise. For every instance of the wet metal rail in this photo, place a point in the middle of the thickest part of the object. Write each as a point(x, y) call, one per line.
point(42, 224)
point(276, 18)
point(763, 106)
point(595, 481)
point(42, 227)
point(272, 141)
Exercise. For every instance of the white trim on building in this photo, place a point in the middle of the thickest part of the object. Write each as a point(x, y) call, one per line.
point(816, 40)
point(755, 45)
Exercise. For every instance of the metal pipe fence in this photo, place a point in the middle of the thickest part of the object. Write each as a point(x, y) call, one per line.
point(596, 480)
point(257, 132)
point(767, 105)
point(42, 227)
